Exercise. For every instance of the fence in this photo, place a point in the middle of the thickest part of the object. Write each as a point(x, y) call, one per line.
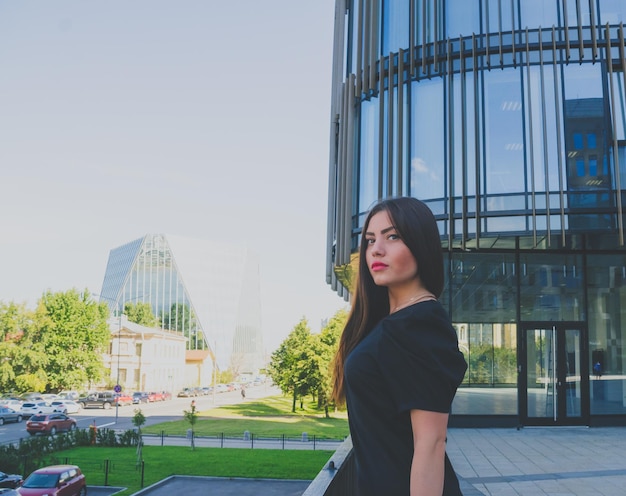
point(247, 440)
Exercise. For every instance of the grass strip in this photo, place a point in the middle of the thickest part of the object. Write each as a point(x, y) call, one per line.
point(161, 462)
point(269, 417)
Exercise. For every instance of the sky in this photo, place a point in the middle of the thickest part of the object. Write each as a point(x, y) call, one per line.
point(200, 118)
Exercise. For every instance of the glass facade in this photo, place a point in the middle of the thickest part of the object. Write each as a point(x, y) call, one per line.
point(209, 292)
point(508, 118)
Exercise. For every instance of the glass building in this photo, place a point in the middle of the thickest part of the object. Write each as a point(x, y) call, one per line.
point(508, 118)
point(207, 291)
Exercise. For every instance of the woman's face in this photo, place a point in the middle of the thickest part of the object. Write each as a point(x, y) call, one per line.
point(389, 260)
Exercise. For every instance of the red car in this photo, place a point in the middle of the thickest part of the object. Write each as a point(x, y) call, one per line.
point(55, 480)
point(155, 396)
point(123, 399)
point(50, 423)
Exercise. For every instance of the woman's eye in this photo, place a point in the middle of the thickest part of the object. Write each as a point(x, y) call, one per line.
point(394, 236)
point(370, 241)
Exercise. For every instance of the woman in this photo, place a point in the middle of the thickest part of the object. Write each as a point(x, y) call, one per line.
point(398, 364)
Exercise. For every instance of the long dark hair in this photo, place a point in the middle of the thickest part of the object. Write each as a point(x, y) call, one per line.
point(417, 227)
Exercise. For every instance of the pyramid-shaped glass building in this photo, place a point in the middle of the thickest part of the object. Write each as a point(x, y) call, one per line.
point(207, 291)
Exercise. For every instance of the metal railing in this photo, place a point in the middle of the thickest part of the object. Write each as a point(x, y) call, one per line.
point(337, 476)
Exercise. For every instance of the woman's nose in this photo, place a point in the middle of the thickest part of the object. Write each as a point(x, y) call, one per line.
point(377, 248)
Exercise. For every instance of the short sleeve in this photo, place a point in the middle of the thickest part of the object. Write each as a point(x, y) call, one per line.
point(420, 361)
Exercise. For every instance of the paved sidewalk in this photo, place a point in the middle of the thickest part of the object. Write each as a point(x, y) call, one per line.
point(556, 461)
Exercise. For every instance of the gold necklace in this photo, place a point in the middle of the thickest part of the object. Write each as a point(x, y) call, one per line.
point(414, 299)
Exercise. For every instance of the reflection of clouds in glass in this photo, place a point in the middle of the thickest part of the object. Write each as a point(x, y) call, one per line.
point(418, 166)
point(425, 181)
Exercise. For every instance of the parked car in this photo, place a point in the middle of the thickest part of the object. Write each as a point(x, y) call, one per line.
point(140, 397)
point(9, 415)
point(5, 491)
point(155, 396)
point(69, 395)
point(50, 424)
point(50, 397)
point(55, 480)
point(104, 399)
point(123, 399)
point(10, 480)
point(187, 393)
point(66, 406)
point(32, 408)
point(13, 403)
point(31, 396)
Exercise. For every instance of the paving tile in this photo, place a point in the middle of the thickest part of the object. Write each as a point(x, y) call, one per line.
point(540, 461)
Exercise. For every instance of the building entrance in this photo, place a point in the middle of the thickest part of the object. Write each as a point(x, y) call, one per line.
point(553, 374)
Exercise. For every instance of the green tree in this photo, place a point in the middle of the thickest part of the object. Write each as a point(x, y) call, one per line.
point(326, 348)
point(22, 364)
point(72, 329)
point(191, 416)
point(138, 419)
point(140, 313)
point(290, 363)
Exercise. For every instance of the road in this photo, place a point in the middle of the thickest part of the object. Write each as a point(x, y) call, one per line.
point(155, 413)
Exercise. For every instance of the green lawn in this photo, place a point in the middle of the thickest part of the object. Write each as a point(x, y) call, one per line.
point(161, 462)
point(270, 417)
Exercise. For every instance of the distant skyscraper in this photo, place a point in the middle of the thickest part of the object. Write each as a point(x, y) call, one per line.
point(205, 290)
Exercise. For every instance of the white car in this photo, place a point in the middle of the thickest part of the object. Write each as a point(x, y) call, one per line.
point(12, 404)
point(34, 407)
point(66, 406)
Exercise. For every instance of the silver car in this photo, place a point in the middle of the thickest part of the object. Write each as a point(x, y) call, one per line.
point(9, 415)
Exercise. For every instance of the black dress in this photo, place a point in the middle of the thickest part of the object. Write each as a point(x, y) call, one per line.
point(410, 360)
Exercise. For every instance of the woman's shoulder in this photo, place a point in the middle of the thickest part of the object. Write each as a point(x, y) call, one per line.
point(423, 321)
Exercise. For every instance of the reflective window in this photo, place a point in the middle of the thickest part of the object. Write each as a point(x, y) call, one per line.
point(463, 136)
point(535, 13)
point(591, 140)
point(483, 288)
point(542, 130)
point(425, 13)
point(498, 15)
point(490, 383)
point(551, 287)
point(462, 18)
point(612, 11)
point(395, 26)
point(578, 141)
point(574, 9)
point(504, 157)
point(368, 155)
point(606, 290)
point(427, 140)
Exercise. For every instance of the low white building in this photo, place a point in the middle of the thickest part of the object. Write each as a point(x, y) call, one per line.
point(144, 358)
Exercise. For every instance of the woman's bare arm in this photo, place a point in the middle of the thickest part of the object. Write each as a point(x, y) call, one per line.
point(429, 443)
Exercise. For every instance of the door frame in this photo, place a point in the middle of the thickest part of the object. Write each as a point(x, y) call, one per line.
point(522, 381)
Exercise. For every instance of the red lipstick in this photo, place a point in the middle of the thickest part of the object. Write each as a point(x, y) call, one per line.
point(378, 266)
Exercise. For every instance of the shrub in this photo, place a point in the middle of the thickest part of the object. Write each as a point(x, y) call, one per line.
point(106, 437)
